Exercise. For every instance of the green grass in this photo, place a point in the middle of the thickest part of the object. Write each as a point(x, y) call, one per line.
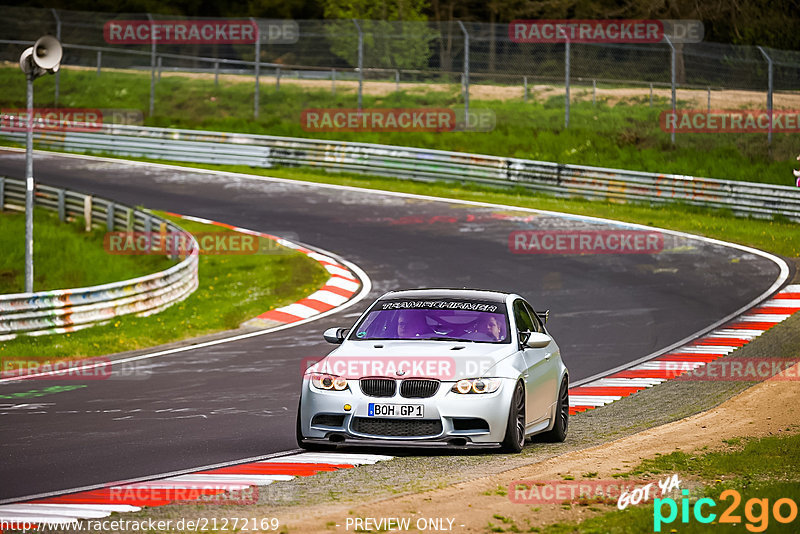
point(64, 255)
point(765, 468)
point(777, 236)
point(626, 135)
point(233, 288)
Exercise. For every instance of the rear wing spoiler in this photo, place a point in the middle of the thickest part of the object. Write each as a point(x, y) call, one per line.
point(543, 315)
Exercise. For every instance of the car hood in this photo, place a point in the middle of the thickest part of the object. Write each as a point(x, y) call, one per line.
point(443, 360)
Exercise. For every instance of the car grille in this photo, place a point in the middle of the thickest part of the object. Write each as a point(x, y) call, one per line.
point(418, 389)
point(396, 427)
point(378, 387)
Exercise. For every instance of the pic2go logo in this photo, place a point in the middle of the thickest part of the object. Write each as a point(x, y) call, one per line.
point(756, 511)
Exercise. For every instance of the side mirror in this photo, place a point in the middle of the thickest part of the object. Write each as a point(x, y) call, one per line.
point(335, 335)
point(537, 340)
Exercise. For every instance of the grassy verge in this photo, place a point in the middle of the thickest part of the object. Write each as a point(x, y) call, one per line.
point(626, 135)
point(233, 288)
point(766, 468)
point(64, 255)
point(777, 236)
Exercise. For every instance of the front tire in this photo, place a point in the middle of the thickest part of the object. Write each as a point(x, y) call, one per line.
point(559, 431)
point(514, 439)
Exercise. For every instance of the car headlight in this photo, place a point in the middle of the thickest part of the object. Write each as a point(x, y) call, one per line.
point(476, 385)
point(329, 382)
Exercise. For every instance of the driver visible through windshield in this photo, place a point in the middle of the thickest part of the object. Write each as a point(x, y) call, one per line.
point(445, 320)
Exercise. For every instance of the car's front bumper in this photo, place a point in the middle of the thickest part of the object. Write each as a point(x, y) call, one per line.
point(450, 419)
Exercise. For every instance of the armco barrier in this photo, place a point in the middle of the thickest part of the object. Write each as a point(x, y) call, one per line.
point(65, 310)
point(745, 198)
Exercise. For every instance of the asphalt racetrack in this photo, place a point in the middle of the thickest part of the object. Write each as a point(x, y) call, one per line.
point(238, 400)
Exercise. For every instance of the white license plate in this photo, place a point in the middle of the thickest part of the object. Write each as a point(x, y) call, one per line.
point(396, 410)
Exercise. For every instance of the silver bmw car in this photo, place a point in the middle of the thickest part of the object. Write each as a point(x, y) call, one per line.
point(437, 367)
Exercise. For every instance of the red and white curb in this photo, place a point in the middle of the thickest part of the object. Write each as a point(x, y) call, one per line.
point(697, 353)
point(342, 285)
point(200, 485)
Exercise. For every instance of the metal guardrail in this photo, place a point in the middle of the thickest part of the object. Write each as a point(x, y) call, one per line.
point(66, 310)
point(743, 198)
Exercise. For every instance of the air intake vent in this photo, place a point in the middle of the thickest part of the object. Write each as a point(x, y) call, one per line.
point(396, 427)
point(418, 389)
point(378, 387)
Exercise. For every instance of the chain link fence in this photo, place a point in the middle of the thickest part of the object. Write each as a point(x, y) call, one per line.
point(406, 52)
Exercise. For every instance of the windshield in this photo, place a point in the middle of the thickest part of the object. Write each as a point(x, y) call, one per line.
point(445, 320)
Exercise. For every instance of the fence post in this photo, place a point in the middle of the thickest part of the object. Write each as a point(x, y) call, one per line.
point(216, 74)
point(152, 66)
point(110, 216)
point(58, 36)
point(709, 99)
point(87, 212)
point(258, 68)
point(129, 220)
point(277, 78)
point(99, 61)
point(651, 94)
point(2, 193)
point(397, 80)
point(672, 83)
point(62, 208)
point(466, 72)
point(360, 62)
point(769, 92)
point(525, 88)
point(158, 79)
point(566, 83)
point(594, 92)
point(333, 82)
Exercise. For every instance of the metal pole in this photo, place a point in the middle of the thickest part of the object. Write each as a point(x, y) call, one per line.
point(277, 78)
point(769, 92)
point(216, 74)
point(152, 66)
point(158, 63)
point(651, 94)
point(99, 60)
point(29, 190)
point(333, 82)
point(674, 96)
point(594, 92)
point(258, 69)
point(525, 85)
point(466, 72)
point(360, 62)
point(566, 81)
point(58, 36)
point(397, 80)
point(709, 100)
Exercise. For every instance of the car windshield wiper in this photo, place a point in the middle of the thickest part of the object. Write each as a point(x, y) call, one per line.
point(445, 338)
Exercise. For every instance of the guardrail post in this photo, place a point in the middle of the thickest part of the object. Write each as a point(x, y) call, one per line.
point(257, 67)
point(466, 71)
point(87, 212)
point(2, 193)
point(672, 83)
point(129, 220)
point(62, 208)
point(152, 66)
point(769, 92)
point(148, 226)
point(58, 36)
point(110, 216)
point(360, 62)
